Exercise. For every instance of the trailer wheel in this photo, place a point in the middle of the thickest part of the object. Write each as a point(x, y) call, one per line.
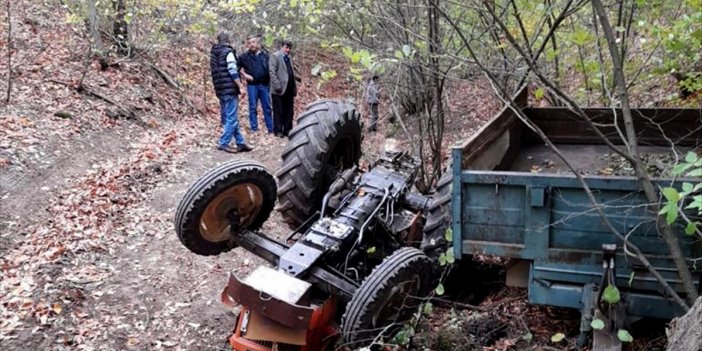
point(388, 297)
point(438, 217)
point(325, 141)
point(240, 191)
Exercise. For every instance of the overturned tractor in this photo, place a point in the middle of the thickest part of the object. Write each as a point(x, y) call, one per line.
point(349, 271)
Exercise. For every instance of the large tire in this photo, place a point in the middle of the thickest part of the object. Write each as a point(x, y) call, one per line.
point(438, 217)
point(325, 141)
point(241, 188)
point(405, 277)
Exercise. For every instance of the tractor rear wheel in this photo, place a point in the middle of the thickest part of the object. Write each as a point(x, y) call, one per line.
point(438, 216)
point(388, 297)
point(325, 141)
point(240, 192)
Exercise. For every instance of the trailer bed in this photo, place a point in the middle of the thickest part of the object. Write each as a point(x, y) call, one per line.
point(588, 159)
point(513, 197)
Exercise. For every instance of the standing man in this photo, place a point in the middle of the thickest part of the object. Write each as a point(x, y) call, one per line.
point(228, 86)
point(283, 88)
point(254, 68)
point(372, 98)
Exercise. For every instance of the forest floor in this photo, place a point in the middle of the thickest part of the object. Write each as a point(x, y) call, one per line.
point(89, 256)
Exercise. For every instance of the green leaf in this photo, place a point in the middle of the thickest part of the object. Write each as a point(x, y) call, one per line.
point(439, 289)
point(695, 173)
point(539, 93)
point(687, 187)
point(449, 234)
point(581, 37)
point(696, 203)
point(558, 337)
point(356, 57)
point(327, 75)
point(449, 256)
point(624, 336)
point(371, 250)
point(671, 194)
point(611, 294)
point(597, 324)
point(672, 213)
point(528, 336)
point(442, 260)
point(347, 51)
point(428, 308)
point(691, 228)
point(681, 168)
point(399, 55)
point(691, 157)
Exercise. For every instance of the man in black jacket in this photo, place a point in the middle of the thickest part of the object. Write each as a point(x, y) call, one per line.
point(254, 68)
point(228, 86)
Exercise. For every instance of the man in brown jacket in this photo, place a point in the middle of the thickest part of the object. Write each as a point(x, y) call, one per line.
point(283, 88)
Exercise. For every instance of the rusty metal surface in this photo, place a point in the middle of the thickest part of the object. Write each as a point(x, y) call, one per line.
point(682, 126)
point(262, 328)
point(290, 315)
point(588, 159)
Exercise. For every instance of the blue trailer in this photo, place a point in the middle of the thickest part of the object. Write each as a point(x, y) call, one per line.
point(507, 194)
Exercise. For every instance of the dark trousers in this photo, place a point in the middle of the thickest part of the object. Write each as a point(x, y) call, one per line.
point(283, 110)
point(374, 117)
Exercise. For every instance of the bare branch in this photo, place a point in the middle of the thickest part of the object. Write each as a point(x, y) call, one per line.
point(669, 236)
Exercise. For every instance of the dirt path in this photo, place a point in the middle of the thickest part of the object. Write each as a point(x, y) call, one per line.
point(48, 165)
point(122, 279)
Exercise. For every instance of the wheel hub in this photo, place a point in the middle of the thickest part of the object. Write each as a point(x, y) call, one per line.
point(396, 301)
point(239, 204)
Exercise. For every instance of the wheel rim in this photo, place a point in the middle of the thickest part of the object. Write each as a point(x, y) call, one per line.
point(245, 200)
point(395, 303)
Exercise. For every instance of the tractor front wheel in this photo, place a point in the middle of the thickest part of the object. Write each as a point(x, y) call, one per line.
point(235, 196)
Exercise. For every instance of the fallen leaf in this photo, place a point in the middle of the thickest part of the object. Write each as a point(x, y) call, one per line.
point(57, 308)
point(132, 342)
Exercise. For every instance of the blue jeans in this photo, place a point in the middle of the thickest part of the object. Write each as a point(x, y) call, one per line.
point(229, 106)
point(259, 92)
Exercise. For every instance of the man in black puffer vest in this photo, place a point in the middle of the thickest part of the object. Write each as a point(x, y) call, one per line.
point(228, 86)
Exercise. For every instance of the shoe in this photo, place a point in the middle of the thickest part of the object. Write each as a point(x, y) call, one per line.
point(243, 148)
point(280, 135)
point(227, 148)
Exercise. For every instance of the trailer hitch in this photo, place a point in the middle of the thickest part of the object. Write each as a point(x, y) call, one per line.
point(595, 307)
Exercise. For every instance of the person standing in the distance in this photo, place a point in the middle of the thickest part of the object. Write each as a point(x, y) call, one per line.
point(283, 88)
point(372, 99)
point(254, 68)
point(228, 86)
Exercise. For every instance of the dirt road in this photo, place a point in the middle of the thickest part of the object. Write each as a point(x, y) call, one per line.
point(98, 265)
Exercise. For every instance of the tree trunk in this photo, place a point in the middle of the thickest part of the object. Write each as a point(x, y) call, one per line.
point(686, 331)
point(9, 53)
point(669, 236)
point(95, 42)
point(120, 27)
point(437, 127)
